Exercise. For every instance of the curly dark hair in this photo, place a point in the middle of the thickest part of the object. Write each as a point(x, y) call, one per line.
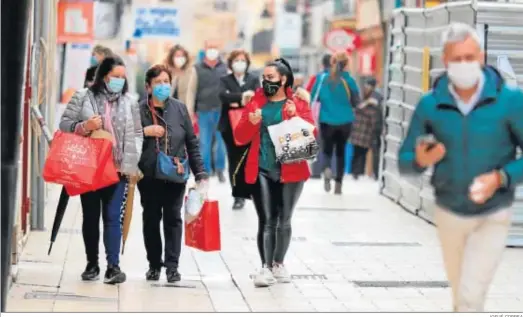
point(170, 56)
point(234, 54)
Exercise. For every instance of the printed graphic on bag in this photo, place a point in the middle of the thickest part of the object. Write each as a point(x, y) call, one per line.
point(294, 140)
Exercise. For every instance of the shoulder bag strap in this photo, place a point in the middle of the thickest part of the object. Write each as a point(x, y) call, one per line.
point(320, 84)
point(94, 104)
point(155, 122)
point(347, 90)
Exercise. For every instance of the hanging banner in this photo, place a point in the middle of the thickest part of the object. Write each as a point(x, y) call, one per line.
point(342, 40)
point(75, 21)
point(157, 22)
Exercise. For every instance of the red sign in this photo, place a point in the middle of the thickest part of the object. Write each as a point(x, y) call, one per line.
point(342, 40)
point(367, 61)
point(75, 22)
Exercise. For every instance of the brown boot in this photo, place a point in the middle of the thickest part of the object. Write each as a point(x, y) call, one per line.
point(337, 188)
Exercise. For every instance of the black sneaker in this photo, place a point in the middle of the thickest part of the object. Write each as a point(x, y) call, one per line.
point(114, 275)
point(221, 177)
point(91, 273)
point(153, 274)
point(337, 188)
point(173, 275)
point(239, 203)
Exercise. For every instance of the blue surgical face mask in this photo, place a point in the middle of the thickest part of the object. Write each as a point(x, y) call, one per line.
point(116, 84)
point(161, 91)
point(94, 61)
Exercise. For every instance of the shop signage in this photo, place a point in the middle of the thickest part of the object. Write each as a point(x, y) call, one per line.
point(342, 40)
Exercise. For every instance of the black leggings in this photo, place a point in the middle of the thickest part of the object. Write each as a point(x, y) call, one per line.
point(335, 136)
point(274, 203)
point(358, 160)
point(162, 199)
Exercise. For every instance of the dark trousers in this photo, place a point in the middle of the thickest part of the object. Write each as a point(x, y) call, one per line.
point(376, 158)
point(335, 136)
point(358, 160)
point(94, 204)
point(274, 203)
point(160, 198)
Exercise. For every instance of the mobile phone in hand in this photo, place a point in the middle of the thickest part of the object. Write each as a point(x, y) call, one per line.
point(428, 139)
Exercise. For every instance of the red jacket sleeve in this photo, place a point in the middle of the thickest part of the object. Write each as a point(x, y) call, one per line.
point(245, 130)
point(310, 83)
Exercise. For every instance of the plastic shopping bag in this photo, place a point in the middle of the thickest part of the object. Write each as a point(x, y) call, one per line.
point(294, 140)
point(234, 118)
point(203, 232)
point(77, 161)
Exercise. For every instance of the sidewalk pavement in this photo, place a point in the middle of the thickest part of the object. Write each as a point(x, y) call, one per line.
point(357, 252)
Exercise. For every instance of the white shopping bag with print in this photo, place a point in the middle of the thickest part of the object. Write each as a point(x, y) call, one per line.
point(294, 140)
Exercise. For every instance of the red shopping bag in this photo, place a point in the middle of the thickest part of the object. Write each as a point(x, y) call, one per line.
point(203, 233)
point(108, 176)
point(77, 161)
point(234, 118)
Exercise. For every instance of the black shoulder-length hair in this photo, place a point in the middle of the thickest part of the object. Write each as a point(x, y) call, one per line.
point(105, 67)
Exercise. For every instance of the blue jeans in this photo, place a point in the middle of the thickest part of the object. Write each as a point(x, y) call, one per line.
point(208, 123)
point(106, 202)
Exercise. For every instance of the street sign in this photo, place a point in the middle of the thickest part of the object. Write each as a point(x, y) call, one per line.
point(75, 22)
point(342, 40)
point(157, 22)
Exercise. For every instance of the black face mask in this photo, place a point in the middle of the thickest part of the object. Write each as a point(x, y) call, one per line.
point(270, 88)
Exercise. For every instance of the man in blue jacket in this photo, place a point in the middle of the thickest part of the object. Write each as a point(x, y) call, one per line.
point(468, 127)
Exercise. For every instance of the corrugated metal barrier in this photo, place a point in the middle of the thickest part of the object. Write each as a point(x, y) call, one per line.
point(414, 62)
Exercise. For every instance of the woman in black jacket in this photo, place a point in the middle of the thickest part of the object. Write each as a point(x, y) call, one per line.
point(167, 128)
point(236, 90)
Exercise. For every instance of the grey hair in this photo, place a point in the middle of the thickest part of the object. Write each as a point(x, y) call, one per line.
point(459, 32)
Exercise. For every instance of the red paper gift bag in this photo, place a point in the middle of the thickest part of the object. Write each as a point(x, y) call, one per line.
point(203, 233)
point(234, 118)
point(75, 160)
point(108, 176)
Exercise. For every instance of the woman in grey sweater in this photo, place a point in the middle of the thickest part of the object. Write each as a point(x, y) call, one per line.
point(106, 106)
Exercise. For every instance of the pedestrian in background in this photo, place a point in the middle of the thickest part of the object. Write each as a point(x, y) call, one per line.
point(99, 53)
point(106, 106)
point(468, 127)
point(178, 63)
point(371, 94)
point(166, 122)
point(277, 187)
point(203, 97)
point(235, 88)
point(364, 131)
point(318, 165)
point(338, 94)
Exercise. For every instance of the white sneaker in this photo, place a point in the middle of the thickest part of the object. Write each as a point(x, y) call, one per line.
point(281, 274)
point(264, 278)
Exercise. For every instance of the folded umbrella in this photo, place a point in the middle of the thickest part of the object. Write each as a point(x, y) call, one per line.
point(128, 215)
point(59, 216)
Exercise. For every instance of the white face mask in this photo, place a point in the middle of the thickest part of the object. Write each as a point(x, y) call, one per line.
point(212, 54)
point(180, 61)
point(239, 67)
point(464, 75)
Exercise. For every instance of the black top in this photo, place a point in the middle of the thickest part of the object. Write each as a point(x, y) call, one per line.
point(231, 92)
point(182, 141)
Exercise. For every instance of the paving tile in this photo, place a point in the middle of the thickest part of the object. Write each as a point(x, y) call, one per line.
point(220, 281)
